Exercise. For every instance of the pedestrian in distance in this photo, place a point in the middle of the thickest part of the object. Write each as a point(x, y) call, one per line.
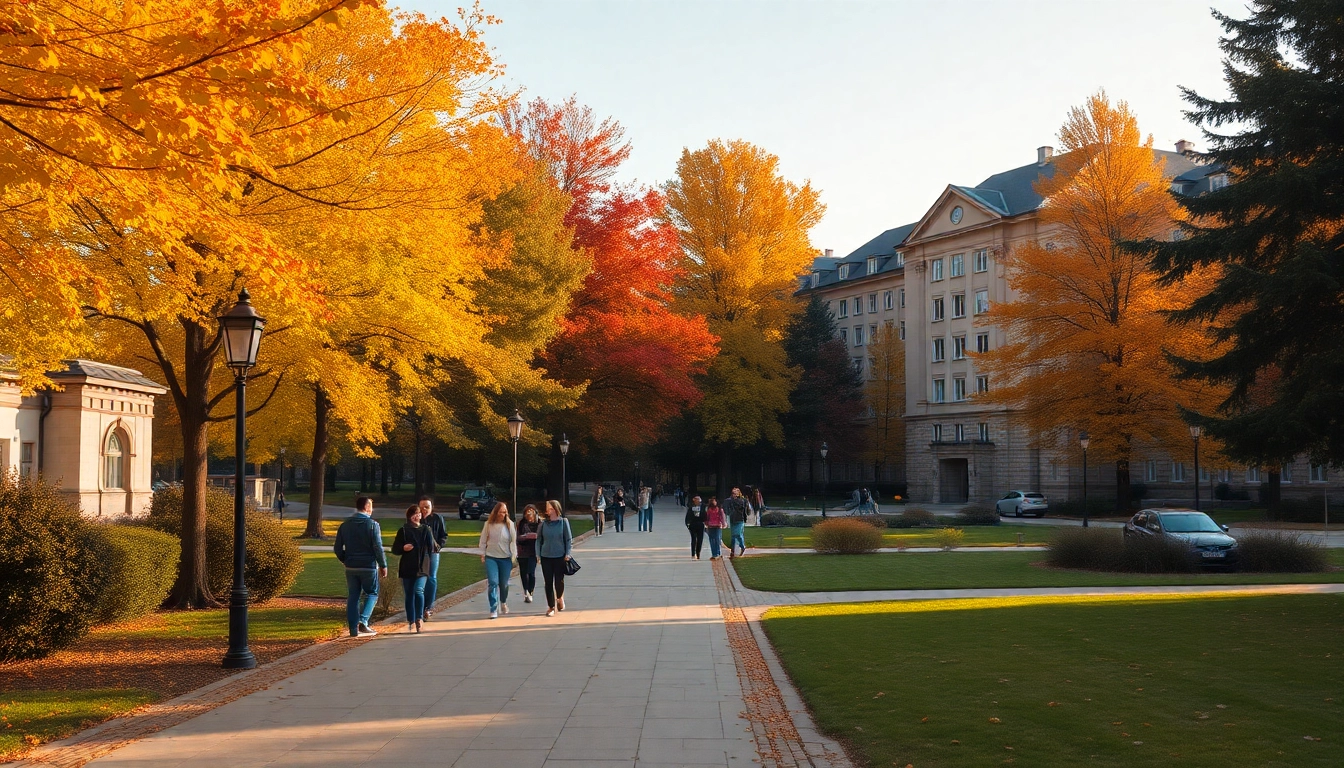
point(359, 547)
point(280, 503)
point(645, 502)
point(737, 510)
point(414, 543)
point(618, 510)
point(499, 548)
point(599, 505)
point(555, 542)
point(715, 522)
point(695, 523)
point(527, 550)
point(434, 522)
point(759, 501)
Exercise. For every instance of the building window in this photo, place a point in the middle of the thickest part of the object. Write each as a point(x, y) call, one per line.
point(958, 266)
point(844, 271)
point(938, 309)
point(1203, 474)
point(936, 270)
point(872, 373)
point(844, 336)
point(939, 391)
point(113, 462)
point(982, 342)
point(1318, 473)
point(858, 365)
point(981, 385)
point(872, 303)
point(958, 305)
point(959, 390)
point(1252, 474)
point(900, 259)
point(1286, 474)
point(958, 347)
point(888, 300)
point(984, 432)
point(858, 335)
point(902, 330)
point(844, 308)
point(872, 265)
point(937, 433)
point(872, 333)
point(26, 451)
point(902, 298)
point(1150, 471)
point(960, 433)
point(939, 350)
point(980, 260)
point(981, 302)
point(816, 277)
point(1217, 182)
point(1177, 472)
point(858, 305)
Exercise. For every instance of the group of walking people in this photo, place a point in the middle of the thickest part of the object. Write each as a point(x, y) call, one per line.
point(619, 505)
point(710, 517)
point(532, 541)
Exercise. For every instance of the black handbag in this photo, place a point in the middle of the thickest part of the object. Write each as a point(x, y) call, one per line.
point(571, 566)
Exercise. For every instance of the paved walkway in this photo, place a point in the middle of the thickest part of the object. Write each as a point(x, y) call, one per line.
point(639, 668)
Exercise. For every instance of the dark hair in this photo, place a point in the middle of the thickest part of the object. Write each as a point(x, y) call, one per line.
point(713, 501)
point(425, 498)
point(360, 502)
point(532, 508)
point(414, 509)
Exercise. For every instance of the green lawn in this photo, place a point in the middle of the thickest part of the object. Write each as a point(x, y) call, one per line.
point(35, 717)
point(309, 623)
point(966, 570)
point(1153, 681)
point(323, 575)
point(976, 536)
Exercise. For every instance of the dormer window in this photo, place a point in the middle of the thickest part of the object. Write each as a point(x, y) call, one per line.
point(872, 265)
point(1217, 182)
point(816, 278)
point(900, 259)
point(844, 271)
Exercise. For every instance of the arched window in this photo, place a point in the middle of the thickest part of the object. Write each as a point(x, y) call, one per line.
point(114, 474)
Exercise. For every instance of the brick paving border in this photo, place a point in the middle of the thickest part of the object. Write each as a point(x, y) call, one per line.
point(777, 726)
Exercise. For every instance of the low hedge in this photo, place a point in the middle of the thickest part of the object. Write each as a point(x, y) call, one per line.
point(915, 517)
point(803, 521)
point(1106, 549)
point(1281, 552)
point(273, 559)
point(978, 514)
point(845, 536)
point(50, 576)
point(775, 519)
point(140, 565)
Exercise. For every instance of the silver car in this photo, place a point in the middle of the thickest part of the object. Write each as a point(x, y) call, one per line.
point(1019, 503)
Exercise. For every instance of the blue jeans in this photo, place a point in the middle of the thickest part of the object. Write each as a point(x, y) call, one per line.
point(618, 518)
point(715, 541)
point(432, 582)
point(414, 590)
point(360, 581)
point(497, 570)
point(739, 536)
point(646, 518)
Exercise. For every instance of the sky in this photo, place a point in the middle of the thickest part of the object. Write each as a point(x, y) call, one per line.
point(879, 104)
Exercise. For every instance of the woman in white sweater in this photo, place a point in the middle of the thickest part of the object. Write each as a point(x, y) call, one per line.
point(499, 548)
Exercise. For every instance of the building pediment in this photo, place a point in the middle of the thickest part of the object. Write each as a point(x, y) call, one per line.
point(959, 208)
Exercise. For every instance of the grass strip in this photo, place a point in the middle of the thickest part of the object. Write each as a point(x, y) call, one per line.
point(30, 718)
point(1006, 535)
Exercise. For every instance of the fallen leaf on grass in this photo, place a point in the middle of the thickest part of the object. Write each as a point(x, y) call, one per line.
point(879, 695)
point(1222, 706)
point(924, 719)
point(1053, 704)
point(994, 720)
point(958, 743)
point(1312, 738)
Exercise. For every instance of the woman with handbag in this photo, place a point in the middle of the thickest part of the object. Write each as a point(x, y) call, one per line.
point(499, 547)
point(715, 522)
point(599, 505)
point(618, 510)
point(415, 543)
point(527, 550)
point(695, 523)
point(555, 542)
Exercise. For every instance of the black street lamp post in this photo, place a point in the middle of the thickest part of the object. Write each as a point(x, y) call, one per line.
point(516, 422)
point(1084, 441)
point(637, 481)
point(241, 328)
point(1194, 435)
point(564, 472)
point(825, 476)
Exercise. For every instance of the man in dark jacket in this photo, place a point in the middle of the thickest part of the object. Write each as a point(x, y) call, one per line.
point(736, 507)
point(359, 547)
point(434, 521)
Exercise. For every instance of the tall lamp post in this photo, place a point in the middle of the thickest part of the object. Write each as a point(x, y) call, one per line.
point(516, 422)
point(636, 480)
point(1084, 441)
point(564, 472)
point(825, 476)
point(241, 328)
point(1194, 435)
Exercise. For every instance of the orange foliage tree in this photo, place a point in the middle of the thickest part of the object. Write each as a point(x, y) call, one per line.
point(1087, 333)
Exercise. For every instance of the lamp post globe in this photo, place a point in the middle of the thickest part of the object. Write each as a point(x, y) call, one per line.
point(825, 476)
point(240, 328)
point(1084, 441)
point(564, 472)
point(516, 422)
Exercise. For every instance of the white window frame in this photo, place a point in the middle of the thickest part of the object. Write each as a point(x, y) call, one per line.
point(114, 461)
point(858, 335)
point(872, 303)
point(844, 336)
point(858, 364)
point(984, 431)
point(1150, 471)
point(958, 305)
point(982, 301)
point(959, 347)
point(1178, 472)
point(1253, 475)
point(858, 306)
point(1286, 473)
point(902, 298)
point(980, 260)
point(844, 271)
point(888, 300)
point(958, 390)
point(939, 310)
point(935, 270)
point(981, 343)
point(1319, 473)
point(844, 309)
point(872, 265)
point(959, 432)
point(900, 258)
point(902, 330)
point(938, 350)
point(937, 433)
point(981, 384)
point(957, 268)
point(940, 390)
point(27, 459)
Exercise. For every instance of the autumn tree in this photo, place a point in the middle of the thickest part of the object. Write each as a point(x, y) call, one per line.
point(827, 400)
point(1274, 238)
point(1088, 341)
point(743, 230)
point(884, 391)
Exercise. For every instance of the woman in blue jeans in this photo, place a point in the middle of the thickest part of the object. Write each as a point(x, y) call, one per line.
point(415, 543)
point(499, 548)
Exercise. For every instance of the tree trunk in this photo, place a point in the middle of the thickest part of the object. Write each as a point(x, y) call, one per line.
point(382, 481)
point(723, 473)
point(330, 478)
point(192, 589)
point(430, 467)
point(1121, 487)
point(317, 482)
point(419, 460)
point(1271, 494)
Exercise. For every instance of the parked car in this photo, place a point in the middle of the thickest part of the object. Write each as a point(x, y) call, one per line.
point(1019, 503)
point(1208, 542)
point(475, 502)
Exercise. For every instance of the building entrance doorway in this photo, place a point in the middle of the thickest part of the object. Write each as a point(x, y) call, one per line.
point(954, 481)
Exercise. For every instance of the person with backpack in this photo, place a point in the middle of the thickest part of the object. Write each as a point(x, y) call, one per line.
point(555, 542)
point(645, 501)
point(434, 522)
point(618, 510)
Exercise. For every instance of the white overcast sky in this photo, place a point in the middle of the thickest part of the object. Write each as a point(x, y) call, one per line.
point(879, 104)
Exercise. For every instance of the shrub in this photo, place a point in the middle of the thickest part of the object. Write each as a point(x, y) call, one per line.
point(774, 518)
point(916, 517)
point(1306, 510)
point(803, 521)
point(845, 536)
point(978, 514)
point(1106, 549)
point(949, 538)
point(49, 571)
point(1155, 555)
point(273, 559)
point(390, 599)
point(1222, 492)
point(877, 521)
point(1281, 552)
point(140, 565)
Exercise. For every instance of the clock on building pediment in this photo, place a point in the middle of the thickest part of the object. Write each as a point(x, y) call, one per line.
point(956, 214)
